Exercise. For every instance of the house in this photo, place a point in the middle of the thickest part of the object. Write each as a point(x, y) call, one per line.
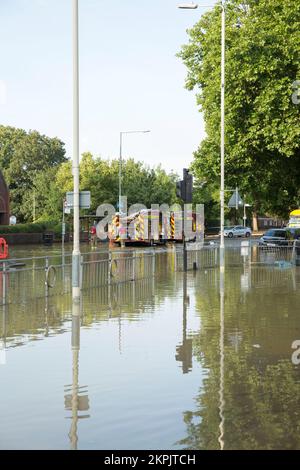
point(264, 223)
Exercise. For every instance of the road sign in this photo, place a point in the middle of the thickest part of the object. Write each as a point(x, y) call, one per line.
point(236, 201)
point(84, 200)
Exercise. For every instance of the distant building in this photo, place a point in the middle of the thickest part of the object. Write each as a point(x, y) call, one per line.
point(266, 222)
point(4, 202)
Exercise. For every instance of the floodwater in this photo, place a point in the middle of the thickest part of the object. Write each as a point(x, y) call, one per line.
point(170, 362)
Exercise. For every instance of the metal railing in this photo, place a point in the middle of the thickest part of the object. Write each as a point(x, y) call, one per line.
point(27, 278)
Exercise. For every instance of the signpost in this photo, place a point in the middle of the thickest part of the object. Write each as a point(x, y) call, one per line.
point(235, 201)
point(84, 200)
point(68, 205)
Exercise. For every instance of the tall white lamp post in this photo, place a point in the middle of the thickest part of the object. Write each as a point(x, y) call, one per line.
point(193, 6)
point(76, 223)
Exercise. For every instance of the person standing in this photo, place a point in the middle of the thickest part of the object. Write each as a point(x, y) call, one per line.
point(94, 235)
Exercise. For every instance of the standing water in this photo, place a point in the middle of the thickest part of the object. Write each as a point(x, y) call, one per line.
point(161, 363)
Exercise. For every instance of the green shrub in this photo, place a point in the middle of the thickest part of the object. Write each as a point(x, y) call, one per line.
point(39, 227)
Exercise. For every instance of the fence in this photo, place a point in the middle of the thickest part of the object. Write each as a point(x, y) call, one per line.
point(275, 254)
point(28, 278)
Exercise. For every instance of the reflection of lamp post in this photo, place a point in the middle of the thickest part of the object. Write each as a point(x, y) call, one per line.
point(74, 402)
point(221, 346)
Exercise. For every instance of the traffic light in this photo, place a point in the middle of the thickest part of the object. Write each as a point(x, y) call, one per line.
point(184, 188)
point(180, 190)
point(188, 179)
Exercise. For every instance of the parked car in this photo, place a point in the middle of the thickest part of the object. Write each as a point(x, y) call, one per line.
point(279, 237)
point(237, 231)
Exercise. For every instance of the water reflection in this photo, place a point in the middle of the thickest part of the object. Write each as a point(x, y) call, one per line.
point(3, 338)
point(231, 384)
point(76, 398)
point(222, 358)
point(252, 379)
point(184, 351)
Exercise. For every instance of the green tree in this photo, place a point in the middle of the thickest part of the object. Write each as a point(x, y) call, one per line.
point(262, 123)
point(140, 183)
point(24, 156)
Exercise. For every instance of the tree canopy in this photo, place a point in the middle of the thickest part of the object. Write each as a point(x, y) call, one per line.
point(262, 123)
point(24, 158)
point(39, 175)
point(140, 183)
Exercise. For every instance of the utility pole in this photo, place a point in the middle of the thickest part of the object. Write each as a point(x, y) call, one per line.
point(63, 227)
point(76, 233)
point(222, 241)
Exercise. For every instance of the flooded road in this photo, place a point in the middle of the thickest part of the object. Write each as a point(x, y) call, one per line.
point(175, 361)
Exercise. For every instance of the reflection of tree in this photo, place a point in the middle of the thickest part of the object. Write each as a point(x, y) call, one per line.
point(261, 386)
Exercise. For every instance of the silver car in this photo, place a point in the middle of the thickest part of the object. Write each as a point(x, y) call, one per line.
point(237, 231)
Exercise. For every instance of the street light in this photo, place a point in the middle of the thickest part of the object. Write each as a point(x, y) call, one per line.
point(193, 6)
point(121, 162)
point(76, 233)
point(188, 6)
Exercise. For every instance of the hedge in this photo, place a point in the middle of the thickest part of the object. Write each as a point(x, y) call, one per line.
point(40, 227)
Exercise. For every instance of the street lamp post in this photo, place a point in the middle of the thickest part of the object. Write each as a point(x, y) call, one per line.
point(121, 162)
point(193, 6)
point(76, 223)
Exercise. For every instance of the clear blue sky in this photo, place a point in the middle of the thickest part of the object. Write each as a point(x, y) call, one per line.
point(130, 77)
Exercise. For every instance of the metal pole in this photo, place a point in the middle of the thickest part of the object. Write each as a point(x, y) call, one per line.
point(76, 234)
point(222, 243)
point(120, 171)
point(185, 261)
point(244, 214)
point(34, 207)
point(63, 229)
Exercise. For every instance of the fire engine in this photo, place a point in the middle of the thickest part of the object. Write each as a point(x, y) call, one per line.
point(151, 227)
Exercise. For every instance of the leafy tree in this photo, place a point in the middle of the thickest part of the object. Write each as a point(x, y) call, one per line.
point(262, 123)
point(24, 156)
point(139, 183)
